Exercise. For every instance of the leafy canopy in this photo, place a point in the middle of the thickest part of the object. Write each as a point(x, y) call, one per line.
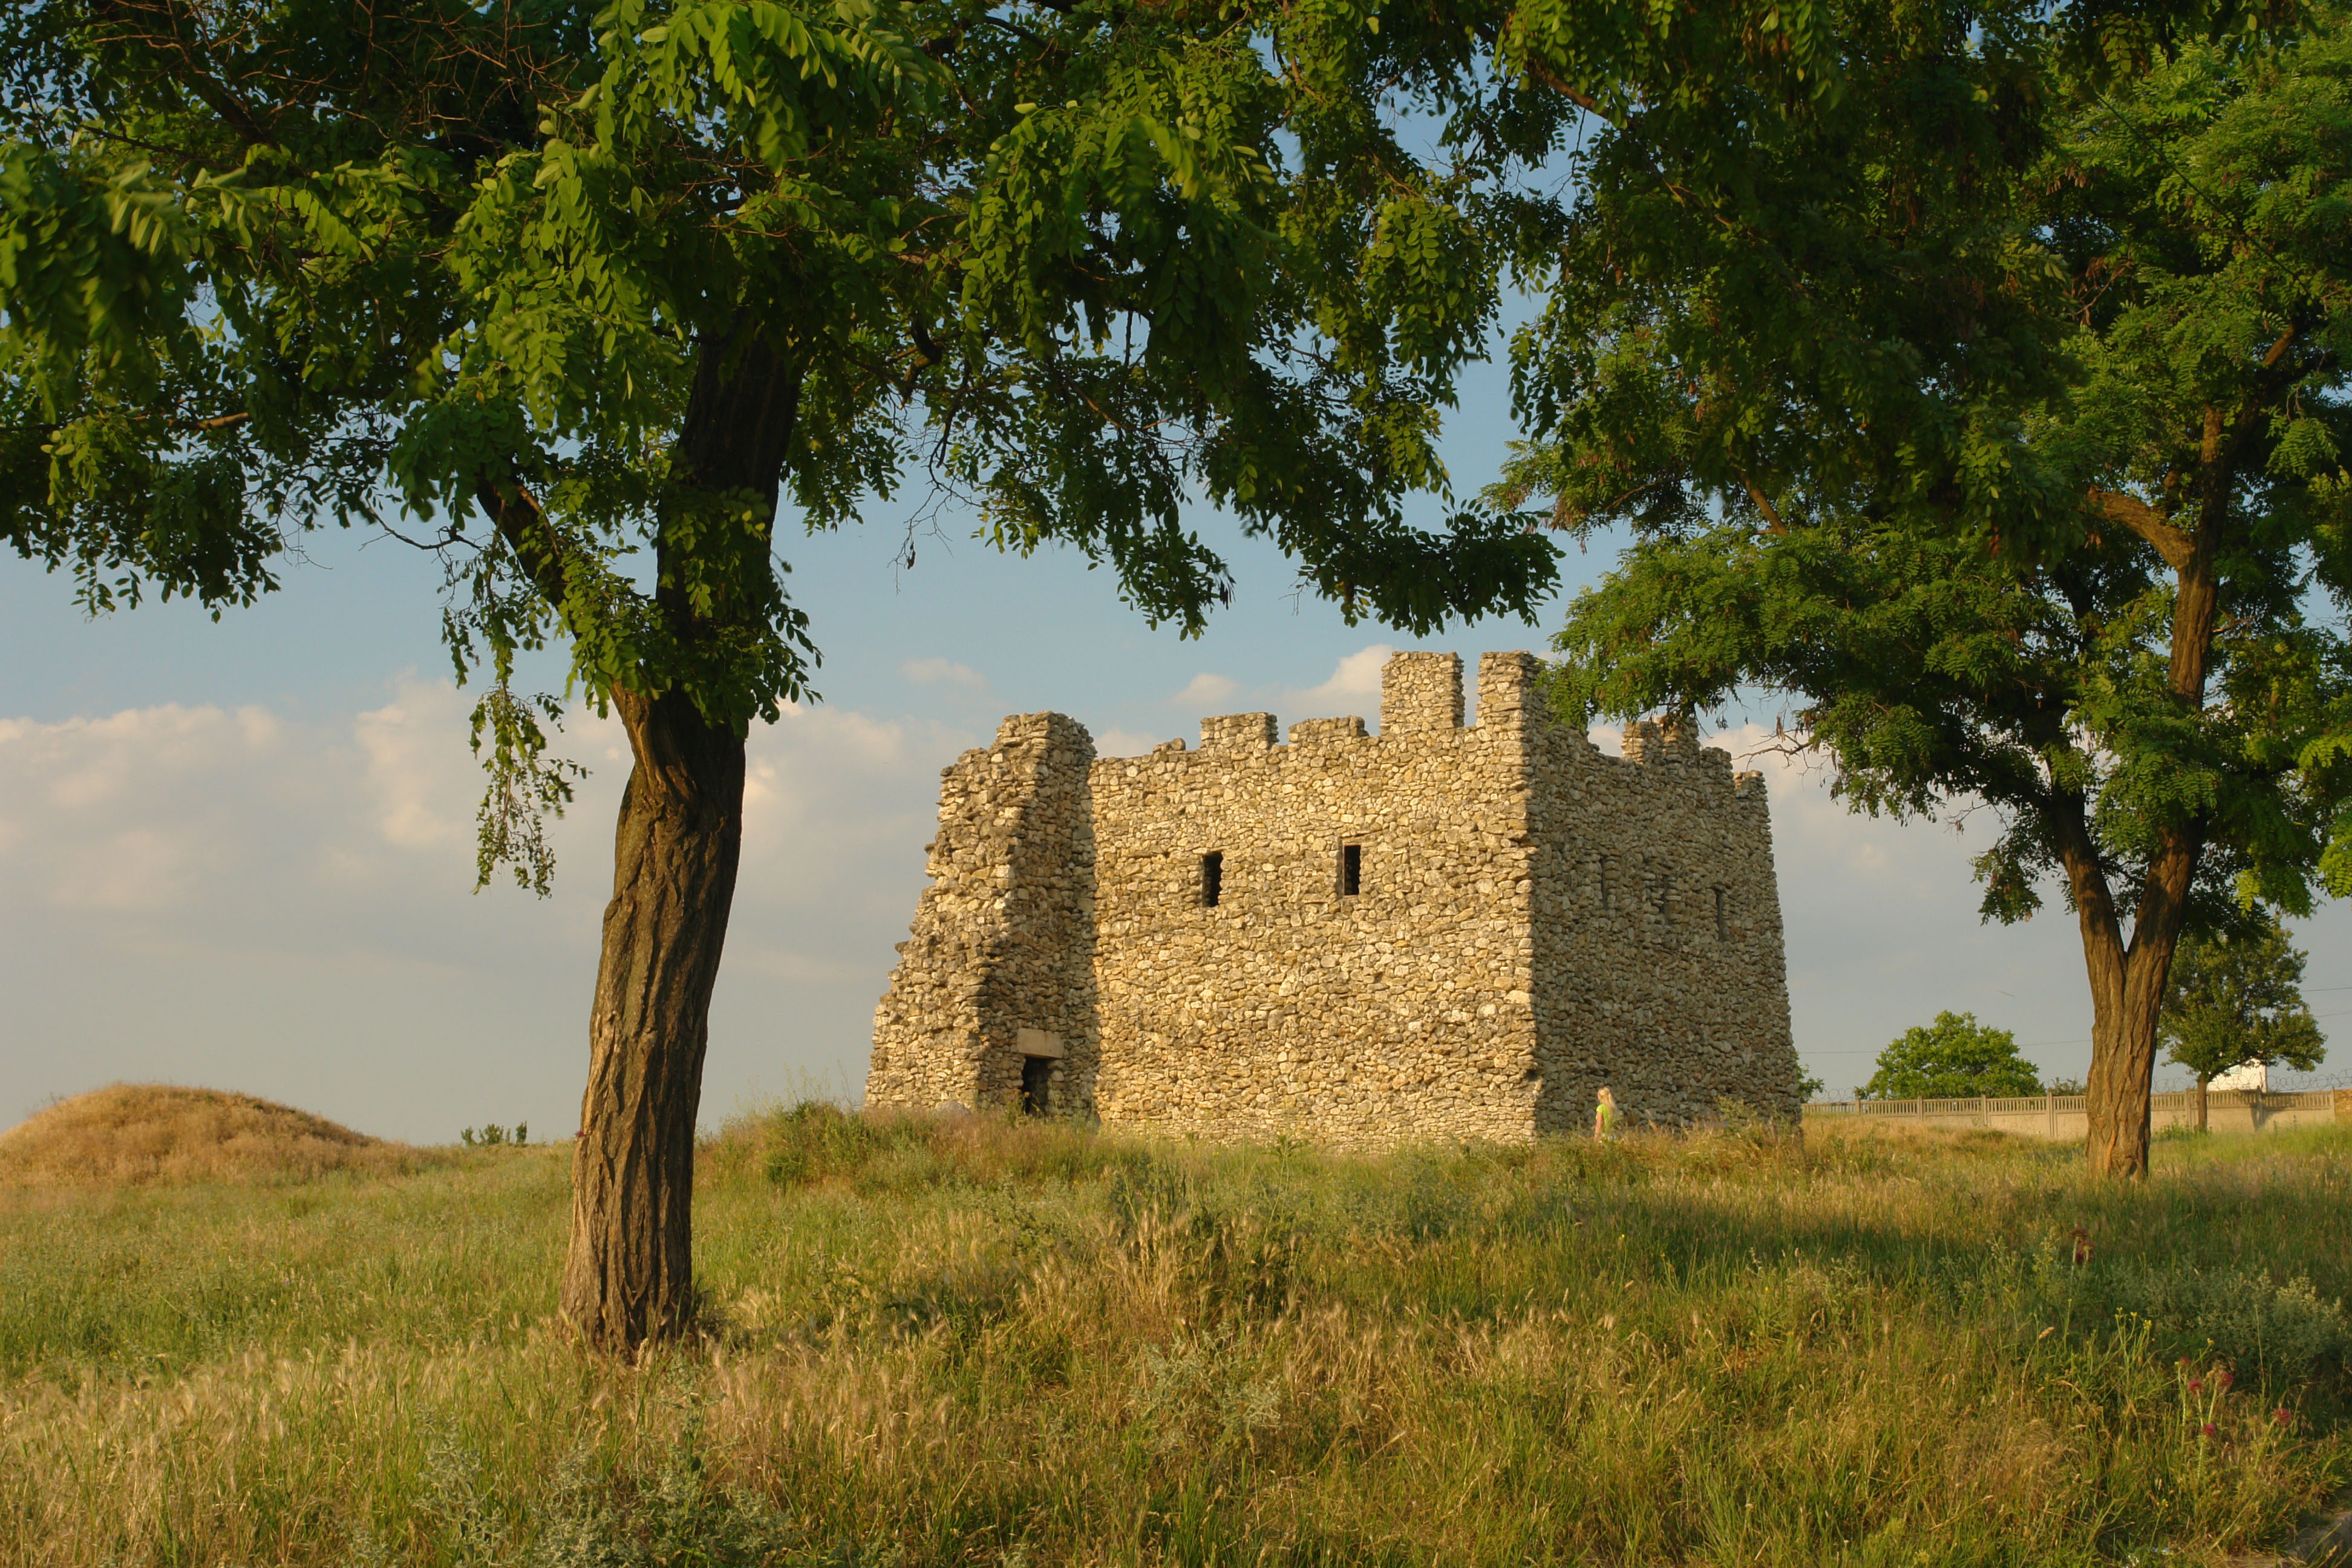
point(1955, 1057)
point(2024, 479)
point(2236, 998)
point(572, 295)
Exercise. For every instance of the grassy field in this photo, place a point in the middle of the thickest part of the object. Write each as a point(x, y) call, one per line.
point(994, 1342)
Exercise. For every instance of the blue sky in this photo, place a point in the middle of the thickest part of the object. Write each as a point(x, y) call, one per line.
point(240, 854)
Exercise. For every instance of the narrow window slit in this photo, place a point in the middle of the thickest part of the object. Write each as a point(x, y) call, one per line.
point(1351, 870)
point(1212, 878)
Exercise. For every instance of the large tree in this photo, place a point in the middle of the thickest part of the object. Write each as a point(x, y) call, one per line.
point(1955, 1057)
point(2026, 478)
point(579, 296)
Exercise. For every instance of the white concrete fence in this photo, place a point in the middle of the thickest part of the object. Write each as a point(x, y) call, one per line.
point(2063, 1115)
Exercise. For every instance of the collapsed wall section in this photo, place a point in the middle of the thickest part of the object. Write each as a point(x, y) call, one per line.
point(1328, 939)
point(1659, 961)
point(992, 996)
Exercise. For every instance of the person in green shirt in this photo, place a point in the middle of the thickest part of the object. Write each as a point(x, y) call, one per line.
point(1604, 1116)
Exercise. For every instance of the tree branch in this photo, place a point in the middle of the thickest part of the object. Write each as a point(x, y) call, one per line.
point(1771, 513)
point(515, 513)
point(2144, 519)
point(1542, 77)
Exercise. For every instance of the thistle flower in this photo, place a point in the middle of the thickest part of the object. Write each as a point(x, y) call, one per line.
point(2223, 1379)
point(2196, 1385)
point(2208, 1430)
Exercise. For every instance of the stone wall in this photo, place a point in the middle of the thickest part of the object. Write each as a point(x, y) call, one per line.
point(998, 967)
point(1438, 931)
point(1291, 1006)
point(1658, 931)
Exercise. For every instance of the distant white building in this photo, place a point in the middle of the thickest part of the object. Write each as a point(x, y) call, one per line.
point(2252, 1075)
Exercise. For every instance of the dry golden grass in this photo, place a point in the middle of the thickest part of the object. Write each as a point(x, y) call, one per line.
point(975, 1342)
point(129, 1133)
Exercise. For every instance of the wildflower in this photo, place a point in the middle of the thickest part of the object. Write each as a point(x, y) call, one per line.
point(2196, 1385)
point(2207, 1430)
point(2223, 1379)
point(2280, 1418)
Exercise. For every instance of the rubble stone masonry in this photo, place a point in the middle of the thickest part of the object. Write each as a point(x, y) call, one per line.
point(1441, 931)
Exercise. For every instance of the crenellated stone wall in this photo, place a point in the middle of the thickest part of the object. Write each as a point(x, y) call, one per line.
point(1442, 931)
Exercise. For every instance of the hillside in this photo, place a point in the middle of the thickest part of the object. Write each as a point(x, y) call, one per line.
point(127, 1133)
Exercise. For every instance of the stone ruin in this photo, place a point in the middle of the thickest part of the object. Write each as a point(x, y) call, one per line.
point(1441, 932)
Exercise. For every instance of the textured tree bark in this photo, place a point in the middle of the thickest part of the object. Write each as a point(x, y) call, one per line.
point(2123, 1054)
point(2200, 1102)
point(628, 1277)
point(2126, 987)
point(2127, 982)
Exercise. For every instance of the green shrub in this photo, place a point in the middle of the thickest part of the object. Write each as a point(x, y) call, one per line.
point(815, 1140)
point(2275, 1329)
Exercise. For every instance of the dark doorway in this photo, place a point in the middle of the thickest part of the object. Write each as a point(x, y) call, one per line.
point(1036, 1084)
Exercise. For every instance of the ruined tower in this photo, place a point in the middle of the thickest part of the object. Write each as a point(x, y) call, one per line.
point(1441, 930)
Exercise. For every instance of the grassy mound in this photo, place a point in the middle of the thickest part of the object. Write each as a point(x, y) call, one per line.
point(131, 1133)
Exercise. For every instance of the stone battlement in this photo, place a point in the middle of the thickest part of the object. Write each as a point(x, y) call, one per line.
point(1441, 929)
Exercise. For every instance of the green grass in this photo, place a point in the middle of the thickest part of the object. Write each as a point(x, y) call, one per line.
point(995, 1343)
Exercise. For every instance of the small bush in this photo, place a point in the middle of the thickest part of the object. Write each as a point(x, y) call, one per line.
point(494, 1135)
point(814, 1141)
point(683, 1516)
point(2277, 1331)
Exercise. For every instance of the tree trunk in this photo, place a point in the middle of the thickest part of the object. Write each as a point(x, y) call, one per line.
point(2127, 982)
point(2122, 1065)
point(2200, 1102)
point(2123, 1052)
point(629, 1277)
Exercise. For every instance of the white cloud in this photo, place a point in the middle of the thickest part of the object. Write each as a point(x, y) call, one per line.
point(1117, 742)
point(1205, 688)
point(420, 769)
point(123, 814)
point(137, 870)
point(1355, 680)
point(811, 778)
point(932, 671)
point(254, 901)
